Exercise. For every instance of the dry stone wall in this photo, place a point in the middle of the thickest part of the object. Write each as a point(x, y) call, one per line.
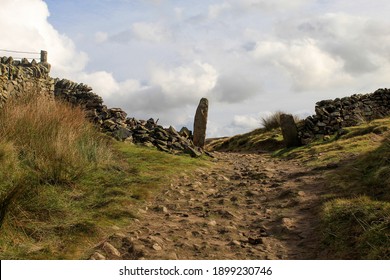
point(332, 115)
point(20, 76)
point(114, 121)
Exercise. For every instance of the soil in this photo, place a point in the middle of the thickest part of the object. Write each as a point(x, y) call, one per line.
point(246, 206)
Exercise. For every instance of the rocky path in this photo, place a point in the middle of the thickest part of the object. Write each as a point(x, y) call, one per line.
point(247, 206)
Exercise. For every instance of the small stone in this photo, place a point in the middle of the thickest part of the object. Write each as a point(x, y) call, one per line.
point(161, 209)
point(255, 240)
point(252, 193)
point(321, 124)
point(173, 256)
point(111, 250)
point(235, 243)
point(223, 178)
point(157, 239)
point(225, 214)
point(157, 247)
point(301, 193)
point(97, 256)
point(192, 152)
point(138, 247)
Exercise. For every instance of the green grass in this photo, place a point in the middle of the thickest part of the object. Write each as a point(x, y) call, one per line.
point(353, 142)
point(356, 224)
point(357, 228)
point(258, 140)
point(266, 139)
point(356, 166)
point(64, 187)
point(52, 221)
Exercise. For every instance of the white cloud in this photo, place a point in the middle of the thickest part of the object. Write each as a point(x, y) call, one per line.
point(101, 37)
point(245, 56)
point(246, 122)
point(188, 82)
point(168, 88)
point(25, 27)
point(308, 66)
point(235, 87)
point(245, 6)
point(102, 82)
point(347, 50)
point(216, 9)
point(178, 13)
point(361, 42)
point(274, 4)
point(151, 32)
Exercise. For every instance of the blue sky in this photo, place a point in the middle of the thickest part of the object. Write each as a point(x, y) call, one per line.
point(157, 58)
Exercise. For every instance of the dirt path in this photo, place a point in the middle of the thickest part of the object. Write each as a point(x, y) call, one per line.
point(247, 206)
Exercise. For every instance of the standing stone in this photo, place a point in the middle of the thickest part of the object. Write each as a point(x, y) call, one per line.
point(200, 123)
point(289, 130)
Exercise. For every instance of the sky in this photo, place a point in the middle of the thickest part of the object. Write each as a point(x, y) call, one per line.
point(158, 58)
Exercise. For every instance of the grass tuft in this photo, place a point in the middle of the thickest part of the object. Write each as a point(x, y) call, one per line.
point(51, 138)
point(357, 228)
point(272, 121)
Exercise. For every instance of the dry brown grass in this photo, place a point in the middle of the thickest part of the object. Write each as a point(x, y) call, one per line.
point(52, 138)
point(63, 186)
point(273, 121)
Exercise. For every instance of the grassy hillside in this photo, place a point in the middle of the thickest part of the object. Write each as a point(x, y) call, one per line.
point(259, 140)
point(356, 223)
point(64, 186)
point(356, 164)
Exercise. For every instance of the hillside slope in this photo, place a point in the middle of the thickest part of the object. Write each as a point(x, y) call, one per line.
point(69, 192)
point(356, 215)
point(64, 186)
point(258, 140)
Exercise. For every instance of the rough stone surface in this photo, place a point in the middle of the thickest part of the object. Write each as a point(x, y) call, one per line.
point(198, 227)
point(19, 77)
point(289, 130)
point(111, 250)
point(200, 123)
point(333, 115)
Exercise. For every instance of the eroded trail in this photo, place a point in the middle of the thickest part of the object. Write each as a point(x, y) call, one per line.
point(247, 206)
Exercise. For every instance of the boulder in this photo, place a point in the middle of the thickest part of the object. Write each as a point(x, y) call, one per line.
point(289, 130)
point(200, 123)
